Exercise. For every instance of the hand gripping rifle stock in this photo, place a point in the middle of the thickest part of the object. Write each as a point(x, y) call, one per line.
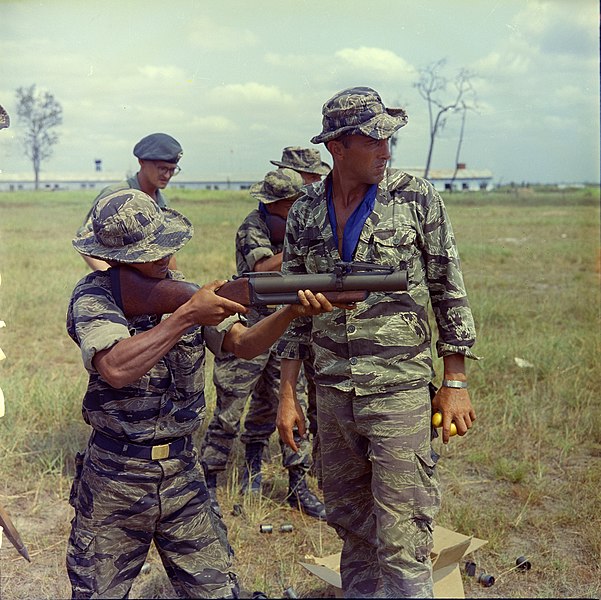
point(346, 284)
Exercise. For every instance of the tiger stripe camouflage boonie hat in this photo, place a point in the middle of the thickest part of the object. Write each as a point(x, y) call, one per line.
point(278, 185)
point(307, 160)
point(129, 227)
point(359, 110)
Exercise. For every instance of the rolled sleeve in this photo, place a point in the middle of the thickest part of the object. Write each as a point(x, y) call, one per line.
point(214, 335)
point(104, 339)
point(253, 242)
point(448, 349)
point(94, 320)
point(253, 257)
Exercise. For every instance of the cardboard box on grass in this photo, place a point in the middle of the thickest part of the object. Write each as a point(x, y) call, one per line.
point(449, 549)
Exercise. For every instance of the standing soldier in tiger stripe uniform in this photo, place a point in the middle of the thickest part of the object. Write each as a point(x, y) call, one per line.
point(259, 248)
point(373, 366)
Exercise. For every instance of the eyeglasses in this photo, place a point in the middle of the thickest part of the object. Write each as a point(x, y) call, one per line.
point(171, 171)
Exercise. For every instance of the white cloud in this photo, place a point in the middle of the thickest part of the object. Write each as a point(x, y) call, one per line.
point(502, 64)
point(162, 73)
point(255, 94)
point(213, 124)
point(377, 62)
point(545, 38)
point(558, 27)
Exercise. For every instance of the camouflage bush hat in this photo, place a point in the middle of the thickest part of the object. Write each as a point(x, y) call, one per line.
point(129, 227)
point(278, 185)
point(359, 110)
point(307, 160)
point(158, 146)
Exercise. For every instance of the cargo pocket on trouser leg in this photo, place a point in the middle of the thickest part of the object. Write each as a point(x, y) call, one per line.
point(95, 567)
point(426, 502)
point(220, 529)
point(76, 479)
point(207, 571)
point(81, 566)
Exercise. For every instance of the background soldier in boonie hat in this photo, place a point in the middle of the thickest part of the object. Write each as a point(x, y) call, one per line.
point(259, 242)
point(374, 367)
point(158, 155)
point(139, 480)
point(306, 161)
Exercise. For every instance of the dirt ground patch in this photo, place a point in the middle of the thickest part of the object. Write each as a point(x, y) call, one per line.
point(563, 562)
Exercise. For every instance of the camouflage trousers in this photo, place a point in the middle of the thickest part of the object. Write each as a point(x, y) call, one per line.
point(124, 504)
point(380, 488)
point(235, 380)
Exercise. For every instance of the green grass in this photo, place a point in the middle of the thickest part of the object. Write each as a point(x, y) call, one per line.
point(526, 478)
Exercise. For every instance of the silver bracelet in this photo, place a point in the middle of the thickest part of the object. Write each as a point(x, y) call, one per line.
point(454, 383)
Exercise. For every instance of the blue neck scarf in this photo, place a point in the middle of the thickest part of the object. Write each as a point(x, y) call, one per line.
point(353, 227)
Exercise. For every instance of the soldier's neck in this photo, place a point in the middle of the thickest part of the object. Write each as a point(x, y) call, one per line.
point(147, 187)
point(346, 190)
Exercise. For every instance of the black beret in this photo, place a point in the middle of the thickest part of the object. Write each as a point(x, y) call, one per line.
point(158, 146)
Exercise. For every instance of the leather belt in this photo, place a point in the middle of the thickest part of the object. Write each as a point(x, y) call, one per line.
point(158, 452)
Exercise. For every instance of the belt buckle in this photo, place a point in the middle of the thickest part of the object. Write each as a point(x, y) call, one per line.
point(160, 452)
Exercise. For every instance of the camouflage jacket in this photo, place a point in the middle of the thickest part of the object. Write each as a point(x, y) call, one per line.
point(385, 343)
point(168, 401)
point(130, 183)
point(252, 244)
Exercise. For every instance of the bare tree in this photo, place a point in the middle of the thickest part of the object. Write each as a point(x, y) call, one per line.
point(40, 112)
point(464, 108)
point(432, 87)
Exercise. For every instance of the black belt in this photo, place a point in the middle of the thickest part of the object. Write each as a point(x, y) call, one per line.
point(158, 452)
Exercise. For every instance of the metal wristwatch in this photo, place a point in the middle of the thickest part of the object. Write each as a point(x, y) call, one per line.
point(454, 383)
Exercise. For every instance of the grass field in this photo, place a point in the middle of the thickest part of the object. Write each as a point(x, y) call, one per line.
point(526, 478)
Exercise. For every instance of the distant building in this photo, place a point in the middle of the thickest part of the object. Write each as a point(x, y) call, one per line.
point(460, 180)
point(444, 180)
point(13, 182)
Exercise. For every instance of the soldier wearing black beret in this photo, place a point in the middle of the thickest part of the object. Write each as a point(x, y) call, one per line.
point(158, 155)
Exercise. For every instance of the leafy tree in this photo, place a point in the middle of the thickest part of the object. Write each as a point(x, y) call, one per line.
point(432, 87)
point(40, 112)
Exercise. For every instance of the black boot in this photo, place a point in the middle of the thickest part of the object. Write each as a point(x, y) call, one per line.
point(251, 475)
point(301, 497)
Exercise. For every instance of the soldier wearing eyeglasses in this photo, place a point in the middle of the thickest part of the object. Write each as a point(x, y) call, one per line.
point(158, 155)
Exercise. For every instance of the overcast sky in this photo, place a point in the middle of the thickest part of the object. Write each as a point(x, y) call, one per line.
point(237, 80)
